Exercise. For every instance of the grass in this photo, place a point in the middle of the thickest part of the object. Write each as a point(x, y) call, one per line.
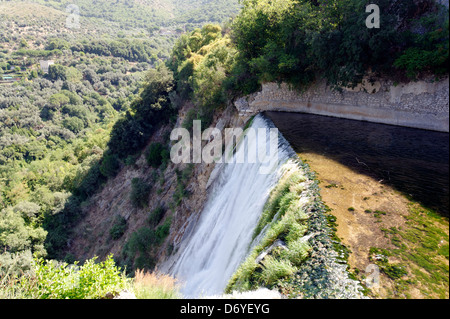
point(275, 269)
point(419, 259)
point(377, 215)
point(298, 251)
point(154, 285)
point(287, 190)
point(284, 218)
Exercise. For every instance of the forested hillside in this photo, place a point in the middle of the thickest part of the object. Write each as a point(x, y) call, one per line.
point(129, 67)
point(55, 125)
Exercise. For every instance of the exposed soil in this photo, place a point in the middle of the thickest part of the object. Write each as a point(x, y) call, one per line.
point(353, 199)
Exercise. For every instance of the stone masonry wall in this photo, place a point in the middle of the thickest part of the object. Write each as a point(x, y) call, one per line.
point(421, 104)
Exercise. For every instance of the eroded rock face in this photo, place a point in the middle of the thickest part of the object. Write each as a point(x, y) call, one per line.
point(92, 236)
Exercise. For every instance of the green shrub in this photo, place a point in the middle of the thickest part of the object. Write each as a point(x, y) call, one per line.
point(163, 231)
point(138, 249)
point(191, 115)
point(130, 160)
point(140, 191)
point(152, 109)
point(119, 227)
point(294, 41)
point(394, 271)
point(182, 180)
point(51, 280)
point(73, 124)
point(110, 165)
point(156, 155)
point(415, 60)
point(156, 216)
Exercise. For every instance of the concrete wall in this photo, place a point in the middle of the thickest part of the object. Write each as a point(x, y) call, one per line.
point(421, 104)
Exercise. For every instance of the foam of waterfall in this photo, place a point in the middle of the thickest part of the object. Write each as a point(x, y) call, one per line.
point(221, 239)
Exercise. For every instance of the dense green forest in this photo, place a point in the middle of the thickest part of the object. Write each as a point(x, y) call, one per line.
point(125, 71)
point(300, 41)
point(151, 14)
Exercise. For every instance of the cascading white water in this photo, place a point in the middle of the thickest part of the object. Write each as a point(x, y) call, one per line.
point(223, 235)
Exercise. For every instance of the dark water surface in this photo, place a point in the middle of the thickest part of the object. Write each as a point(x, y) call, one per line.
point(413, 161)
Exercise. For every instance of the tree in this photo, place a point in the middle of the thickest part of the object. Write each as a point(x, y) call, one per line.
point(110, 165)
point(60, 72)
point(18, 236)
point(56, 101)
point(156, 154)
point(57, 72)
point(140, 191)
point(57, 44)
point(151, 109)
point(23, 43)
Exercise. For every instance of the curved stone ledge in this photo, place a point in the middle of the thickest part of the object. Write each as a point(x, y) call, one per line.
point(421, 104)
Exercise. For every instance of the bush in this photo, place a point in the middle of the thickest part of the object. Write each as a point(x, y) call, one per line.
point(130, 160)
point(139, 249)
point(182, 180)
point(89, 183)
point(139, 192)
point(119, 227)
point(50, 280)
point(156, 155)
point(156, 216)
point(73, 124)
point(110, 165)
point(296, 41)
point(163, 231)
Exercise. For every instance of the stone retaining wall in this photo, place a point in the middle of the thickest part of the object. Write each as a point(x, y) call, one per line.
point(421, 104)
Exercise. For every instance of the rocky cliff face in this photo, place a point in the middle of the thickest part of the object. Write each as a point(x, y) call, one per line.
point(92, 235)
point(422, 104)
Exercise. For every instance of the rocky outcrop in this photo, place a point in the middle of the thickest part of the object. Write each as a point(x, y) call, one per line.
point(92, 235)
point(422, 104)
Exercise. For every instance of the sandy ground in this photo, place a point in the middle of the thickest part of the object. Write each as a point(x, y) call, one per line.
point(349, 195)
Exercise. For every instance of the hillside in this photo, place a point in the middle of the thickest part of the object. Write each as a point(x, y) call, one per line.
point(55, 123)
point(148, 14)
point(85, 148)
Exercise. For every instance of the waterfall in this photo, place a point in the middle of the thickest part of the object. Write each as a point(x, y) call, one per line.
point(222, 237)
